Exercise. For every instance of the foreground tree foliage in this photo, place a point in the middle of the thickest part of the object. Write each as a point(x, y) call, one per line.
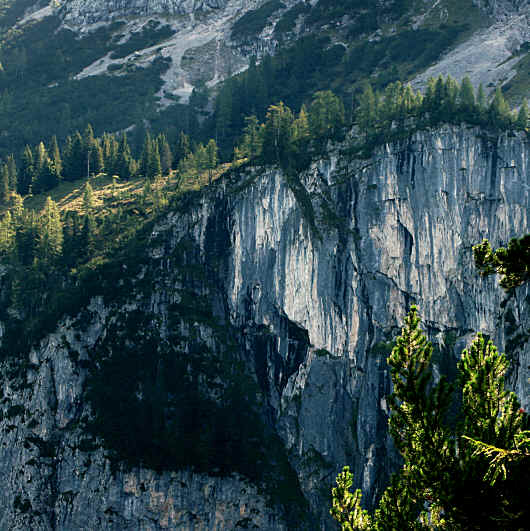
point(447, 480)
point(512, 262)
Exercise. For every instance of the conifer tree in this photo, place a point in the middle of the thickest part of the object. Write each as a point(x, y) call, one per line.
point(88, 199)
point(201, 157)
point(183, 148)
point(429, 103)
point(466, 99)
point(499, 110)
point(211, 157)
point(88, 237)
point(27, 172)
point(48, 177)
point(7, 235)
point(166, 157)
point(110, 148)
point(278, 133)
point(367, 110)
point(55, 156)
point(13, 173)
point(302, 130)
point(326, 114)
point(443, 474)
point(124, 161)
point(512, 262)
point(252, 138)
point(27, 238)
point(4, 184)
point(75, 158)
point(50, 243)
point(522, 116)
point(41, 156)
point(482, 102)
point(150, 165)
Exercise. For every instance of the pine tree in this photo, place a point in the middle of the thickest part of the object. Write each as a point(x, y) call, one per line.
point(522, 117)
point(512, 262)
point(443, 474)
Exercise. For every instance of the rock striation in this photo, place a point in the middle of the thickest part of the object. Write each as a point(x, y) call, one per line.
point(314, 280)
point(85, 12)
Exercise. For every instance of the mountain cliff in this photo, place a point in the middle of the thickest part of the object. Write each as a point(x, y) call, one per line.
point(280, 293)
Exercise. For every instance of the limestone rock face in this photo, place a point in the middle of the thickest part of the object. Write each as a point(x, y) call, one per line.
point(92, 11)
point(314, 284)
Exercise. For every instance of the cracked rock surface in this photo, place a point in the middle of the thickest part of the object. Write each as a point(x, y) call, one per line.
point(314, 295)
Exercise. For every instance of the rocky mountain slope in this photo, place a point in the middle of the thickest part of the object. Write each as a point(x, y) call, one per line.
point(300, 289)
